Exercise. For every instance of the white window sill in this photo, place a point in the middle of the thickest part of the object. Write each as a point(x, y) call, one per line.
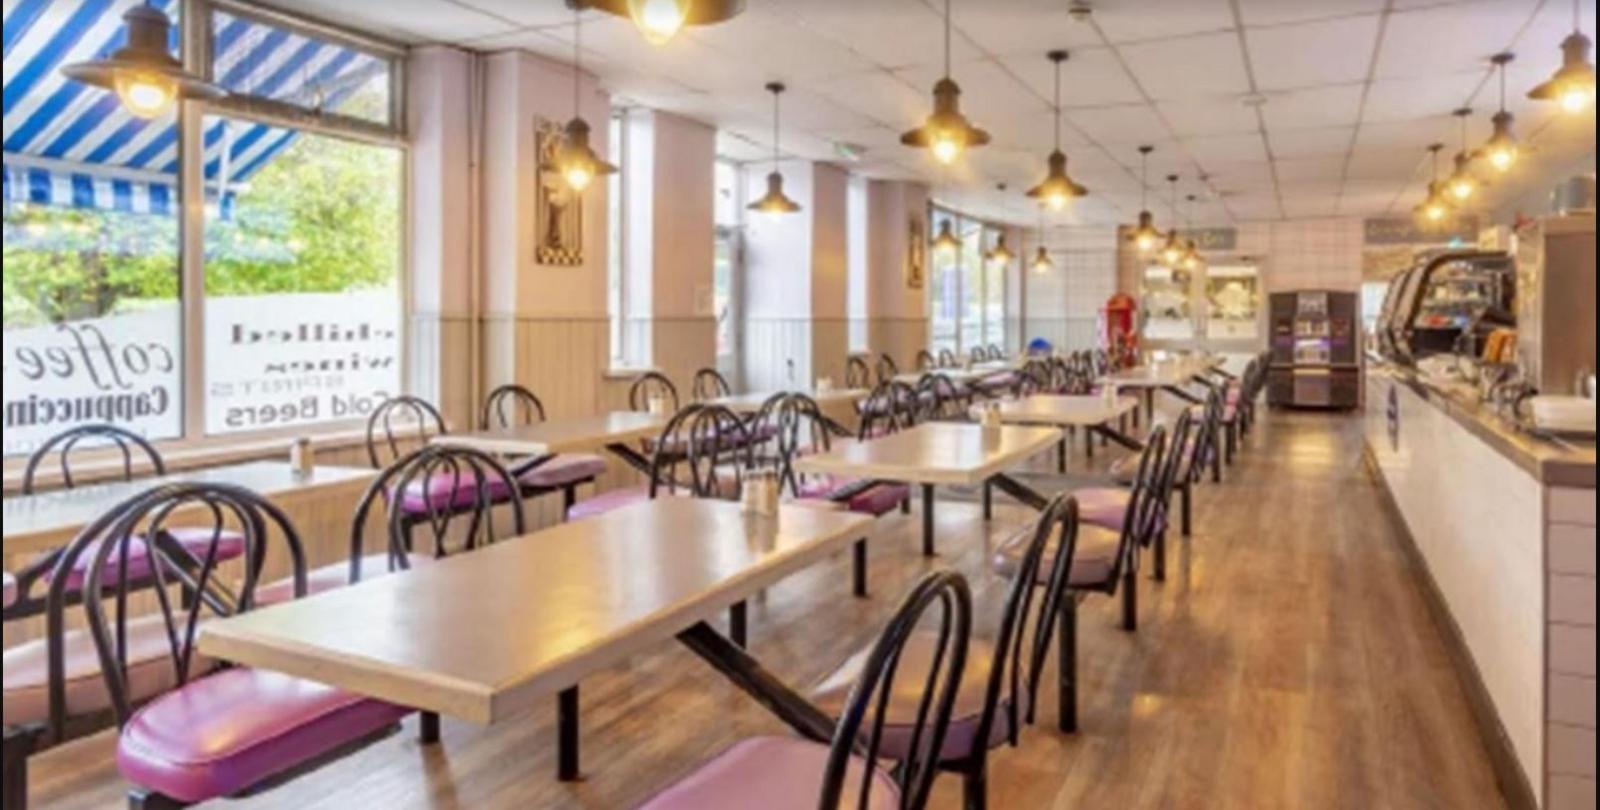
point(626, 374)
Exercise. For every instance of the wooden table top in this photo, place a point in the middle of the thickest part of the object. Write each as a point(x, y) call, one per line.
point(49, 520)
point(483, 636)
point(1174, 372)
point(1063, 411)
point(751, 403)
point(577, 434)
point(934, 453)
point(960, 375)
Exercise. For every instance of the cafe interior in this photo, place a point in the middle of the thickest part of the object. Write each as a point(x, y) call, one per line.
point(764, 404)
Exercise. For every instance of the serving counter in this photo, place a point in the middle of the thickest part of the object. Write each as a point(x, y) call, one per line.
point(1503, 525)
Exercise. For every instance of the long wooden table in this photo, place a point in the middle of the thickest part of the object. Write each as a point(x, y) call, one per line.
point(616, 431)
point(1167, 375)
point(941, 453)
point(484, 636)
point(1091, 413)
point(49, 520)
point(752, 403)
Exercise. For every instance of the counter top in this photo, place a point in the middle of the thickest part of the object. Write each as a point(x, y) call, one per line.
point(1565, 463)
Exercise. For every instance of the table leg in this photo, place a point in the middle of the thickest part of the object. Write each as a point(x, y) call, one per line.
point(1020, 491)
point(1150, 404)
point(739, 624)
point(1109, 433)
point(1183, 395)
point(988, 501)
point(430, 729)
point(747, 674)
point(1061, 457)
point(928, 549)
point(860, 565)
point(567, 736)
point(631, 457)
point(1068, 721)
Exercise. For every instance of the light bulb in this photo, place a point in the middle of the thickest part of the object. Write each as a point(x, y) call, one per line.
point(946, 148)
point(146, 95)
point(1146, 243)
point(1435, 212)
point(1577, 96)
point(579, 177)
point(659, 20)
point(1462, 188)
point(1058, 201)
point(1503, 157)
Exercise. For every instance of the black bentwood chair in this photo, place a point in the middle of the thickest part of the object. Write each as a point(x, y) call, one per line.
point(857, 376)
point(709, 384)
point(213, 732)
point(1102, 561)
point(999, 688)
point(887, 369)
point(867, 765)
point(513, 405)
point(649, 386)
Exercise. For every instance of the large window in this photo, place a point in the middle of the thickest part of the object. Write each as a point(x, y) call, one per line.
point(728, 205)
point(967, 293)
point(287, 310)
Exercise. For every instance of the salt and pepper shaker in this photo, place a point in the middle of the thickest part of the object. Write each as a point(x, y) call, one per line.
point(1109, 391)
point(991, 416)
point(302, 458)
point(760, 494)
point(658, 405)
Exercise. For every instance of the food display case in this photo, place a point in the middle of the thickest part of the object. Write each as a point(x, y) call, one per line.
point(1316, 350)
point(1450, 302)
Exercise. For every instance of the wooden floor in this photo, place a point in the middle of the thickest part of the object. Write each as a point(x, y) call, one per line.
point(1289, 662)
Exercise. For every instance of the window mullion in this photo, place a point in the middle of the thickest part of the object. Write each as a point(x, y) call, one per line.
point(191, 226)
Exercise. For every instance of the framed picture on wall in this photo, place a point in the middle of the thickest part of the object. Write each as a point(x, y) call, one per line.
point(560, 209)
point(917, 255)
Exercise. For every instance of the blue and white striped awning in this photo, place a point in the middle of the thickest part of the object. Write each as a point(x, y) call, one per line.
point(72, 145)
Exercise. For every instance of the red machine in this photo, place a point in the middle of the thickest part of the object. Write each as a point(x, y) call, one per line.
point(1120, 319)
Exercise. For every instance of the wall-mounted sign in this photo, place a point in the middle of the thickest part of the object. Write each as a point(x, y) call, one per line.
point(559, 212)
point(1384, 231)
point(1213, 239)
point(917, 255)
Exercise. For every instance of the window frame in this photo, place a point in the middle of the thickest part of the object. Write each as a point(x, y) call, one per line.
point(196, 25)
point(988, 231)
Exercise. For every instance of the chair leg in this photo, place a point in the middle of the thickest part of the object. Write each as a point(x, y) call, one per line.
point(145, 800)
point(739, 624)
point(1068, 721)
point(988, 501)
point(567, 767)
point(1161, 554)
point(1187, 493)
point(1233, 441)
point(1130, 601)
point(975, 788)
point(19, 745)
point(1216, 460)
point(569, 499)
point(430, 728)
point(1061, 456)
point(860, 568)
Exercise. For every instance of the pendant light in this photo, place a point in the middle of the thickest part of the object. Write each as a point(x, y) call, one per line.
point(661, 20)
point(1192, 260)
point(143, 73)
point(1172, 252)
point(1042, 265)
point(946, 242)
point(1435, 208)
point(1058, 188)
point(1462, 183)
point(1145, 237)
point(946, 133)
point(1502, 148)
point(1572, 86)
point(577, 161)
point(775, 201)
point(1001, 254)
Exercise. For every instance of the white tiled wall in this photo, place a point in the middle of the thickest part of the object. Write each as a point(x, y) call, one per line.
point(1063, 306)
point(1570, 739)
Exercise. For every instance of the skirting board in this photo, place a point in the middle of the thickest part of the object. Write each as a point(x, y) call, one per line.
point(1513, 782)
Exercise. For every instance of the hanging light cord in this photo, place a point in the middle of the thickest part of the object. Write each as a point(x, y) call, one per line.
point(1144, 181)
point(1058, 105)
point(948, 25)
point(777, 131)
point(577, 60)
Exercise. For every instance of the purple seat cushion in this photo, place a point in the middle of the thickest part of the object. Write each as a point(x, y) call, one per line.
point(877, 501)
point(833, 696)
point(1103, 506)
point(229, 546)
point(1093, 561)
point(445, 491)
point(564, 471)
point(608, 502)
point(10, 590)
point(226, 733)
point(331, 577)
point(770, 773)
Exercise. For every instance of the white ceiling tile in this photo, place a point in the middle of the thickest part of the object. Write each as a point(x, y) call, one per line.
point(1454, 37)
point(892, 33)
point(1210, 65)
point(1022, 27)
point(1092, 77)
point(1330, 52)
point(772, 47)
point(1241, 177)
point(1227, 149)
point(1318, 107)
point(1120, 126)
point(1279, 12)
point(411, 21)
point(1193, 118)
point(1391, 100)
point(1405, 135)
point(882, 96)
point(1307, 170)
point(1311, 143)
point(1387, 165)
point(1139, 20)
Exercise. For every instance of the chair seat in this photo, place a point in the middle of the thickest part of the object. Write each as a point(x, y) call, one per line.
point(1094, 560)
point(239, 728)
point(445, 491)
point(770, 773)
point(876, 501)
point(607, 502)
point(1103, 506)
point(150, 672)
point(229, 546)
point(10, 590)
point(331, 577)
point(564, 471)
point(832, 695)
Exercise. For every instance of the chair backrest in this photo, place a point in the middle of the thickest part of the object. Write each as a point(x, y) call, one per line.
point(940, 399)
point(925, 361)
point(798, 428)
point(140, 525)
point(511, 406)
point(437, 488)
point(941, 601)
point(709, 384)
point(891, 408)
point(947, 359)
point(887, 369)
point(1028, 624)
point(713, 444)
point(126, 442)
point(650, 385)
point(1202, 437)
point(857, 375)
point(414, 417)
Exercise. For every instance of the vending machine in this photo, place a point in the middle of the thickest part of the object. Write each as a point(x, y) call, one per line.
point(1317, 351)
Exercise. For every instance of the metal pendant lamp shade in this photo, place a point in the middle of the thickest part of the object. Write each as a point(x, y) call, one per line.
point(1058, 187)
point(1572, 86)
point(1502, 149)
point(1145, 235)
point(1172, 251)
point(143, 73)
point(1435, 207)
point(947, 133)
point(1041, 261)
point(775, 201)
point(1463, 184)
point(1001, 254)
point(577, 161)
point(946, 241)
point(660, 20)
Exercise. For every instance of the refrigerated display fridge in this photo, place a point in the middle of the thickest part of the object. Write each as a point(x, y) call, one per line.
point(1317, 351)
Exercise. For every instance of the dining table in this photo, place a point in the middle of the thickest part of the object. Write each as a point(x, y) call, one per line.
point(484, 636)
point(937, 454)
point(1094, 414)
point(1169, 375)
point(826, 399)
point(615, 431)
point(48, 520)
